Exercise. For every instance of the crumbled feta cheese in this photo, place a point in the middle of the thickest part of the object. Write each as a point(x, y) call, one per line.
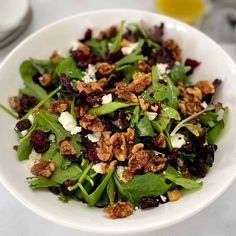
point(162, 68)
point(69, 123)
point(98, 168)
point(94, 137)
point(34, 156)
point(158, 153)
point(24, 132)
point(119, 171)
point(177, 140)
point(220, 114)
point(31, 118)
point(204, 105)
point(90, 74)
point(52, 137)
point(151, 115)
point(180, 162)
point(75, 45)
point(129, 49)
point(107, 98)
point(163, 198)
point(136, 208)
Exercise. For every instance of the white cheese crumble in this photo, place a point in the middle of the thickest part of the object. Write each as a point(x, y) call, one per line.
point(107, 98)
point(34, 156)
point(52, 137)
point(90, 74)
point(151, 115)
point(162, 68)
point(75, 45)
point(220, 114)
point(69, 123)
point(163, 198)
point(24, 132)
point(129, 49)
point(98, 168)
point(204, 105)
point(119, 171)
point(177, 140)
point(31, 118)
point(94, 137)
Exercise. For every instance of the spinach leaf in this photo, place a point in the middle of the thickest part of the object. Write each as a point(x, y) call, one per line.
point(135, 116)
point(116, 44)
point(24, 149)
point(41, 182)
point(208, 119)
point(178, 73)
point(27, 71)
point(99, 47)
point(109, 107)
point(103, 201)
point(148, 185)
point(43, 66)
point(172, 94)
point(144, 127)
point(111, 190)
point(174, 176)
point(68, 67)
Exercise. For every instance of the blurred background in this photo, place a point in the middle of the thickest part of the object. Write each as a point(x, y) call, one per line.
point(20, 18)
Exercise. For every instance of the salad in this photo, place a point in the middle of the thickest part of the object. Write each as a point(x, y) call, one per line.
point(117, 123)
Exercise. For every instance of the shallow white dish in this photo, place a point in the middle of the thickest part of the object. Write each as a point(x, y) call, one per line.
point(60, 35)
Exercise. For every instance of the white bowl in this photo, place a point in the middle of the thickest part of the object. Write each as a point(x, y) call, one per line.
point(60, 35)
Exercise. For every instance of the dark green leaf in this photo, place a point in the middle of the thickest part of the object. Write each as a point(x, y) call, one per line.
point(111, 190)
point(99, 47)
point(172, 94)
point(24, 149)
point(178, 73)
point(135, 116)
point(41, 182)
point(116, 44)
point(144, 127)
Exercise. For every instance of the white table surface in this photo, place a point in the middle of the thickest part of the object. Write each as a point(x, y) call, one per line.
point(16, 220)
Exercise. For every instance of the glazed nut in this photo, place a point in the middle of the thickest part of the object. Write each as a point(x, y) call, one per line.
point(84, 48)
point(43, 168)
point(111, 31)
point(59, 106)
point(160, 141)
point(55, 57)
point(124, 43)
point(174, 195)
point(92, 122)
point(206, 87)
point(174, 48)
point(186, 174)
point(45, 80)
point(104, 149)
point(123, 92)
point(143, 66)
point(92, 87)
point(119, 210)
point(142, 103)
point(66, 148)
point(15, 103)
point(104, 68)
point(81, 110)
point(156, 107)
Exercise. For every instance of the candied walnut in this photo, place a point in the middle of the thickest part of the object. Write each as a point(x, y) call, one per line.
point(143, 104)
point(124, 93)
point(15, 103)
point(206, 86)
point(100, 36)
point(156, 107)
point(138, 158)
point(81, 110)
point(111, 31)
point(59, 106)
point(140, 82)
point(193, 107)
point(104, 68)
point(119, 210)
point(129, 136)
point(84, 48)
point(55, 57)
point(107, 167)
point(92, 122)
point(174, 48)
point(118, 142)
point(124, 43)
point(143, 66)
point(195, 92)
point(186, 174)
point(155, 163)
point(45, 80)
point(92, 87)
point(43, 168)
point(127, 175)
point(182, 108)
point(104, 149)
point(160, 141)
point(174, 195)
point(66, 148)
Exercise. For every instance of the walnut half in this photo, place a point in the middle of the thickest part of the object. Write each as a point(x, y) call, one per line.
point(43, 168)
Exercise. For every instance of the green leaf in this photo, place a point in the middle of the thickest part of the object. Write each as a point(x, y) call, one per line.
point(135, 116)
point(111, 190)
point(172, 94)
point(24, 149)
point(194, 129)
point(147, 185)
point(43, 66)
point(99, 47)
point(208, 119)
point(27, 70)
point(116, 44)
point(144, 127)
point(178, 73)
point(155, 77)
point(41, 182)
point(68, 67)
point(174, 176)
point(109, 107)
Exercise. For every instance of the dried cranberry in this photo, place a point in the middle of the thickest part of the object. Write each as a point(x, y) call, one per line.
point(27, 102)
point(192, 63)
point(94, 58)
point(130, 35)
point(15, 147)
point(172, 157)
point(165, 56)
point(114, 56)
point(197, 169)
point(65, 185)
point(187, 147)
point(35, 77)
point(91, 155)
point(216, 83)
point(156, 33)
point(54, 190)
point(42, 148)
point(87, 35)
point(93, 101)
point(148, 202)
point(38, 137)
point(23, 124)
point(119, 120)
point(71, 157)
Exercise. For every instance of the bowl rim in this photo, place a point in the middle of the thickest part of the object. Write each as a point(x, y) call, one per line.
point(146, 227)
